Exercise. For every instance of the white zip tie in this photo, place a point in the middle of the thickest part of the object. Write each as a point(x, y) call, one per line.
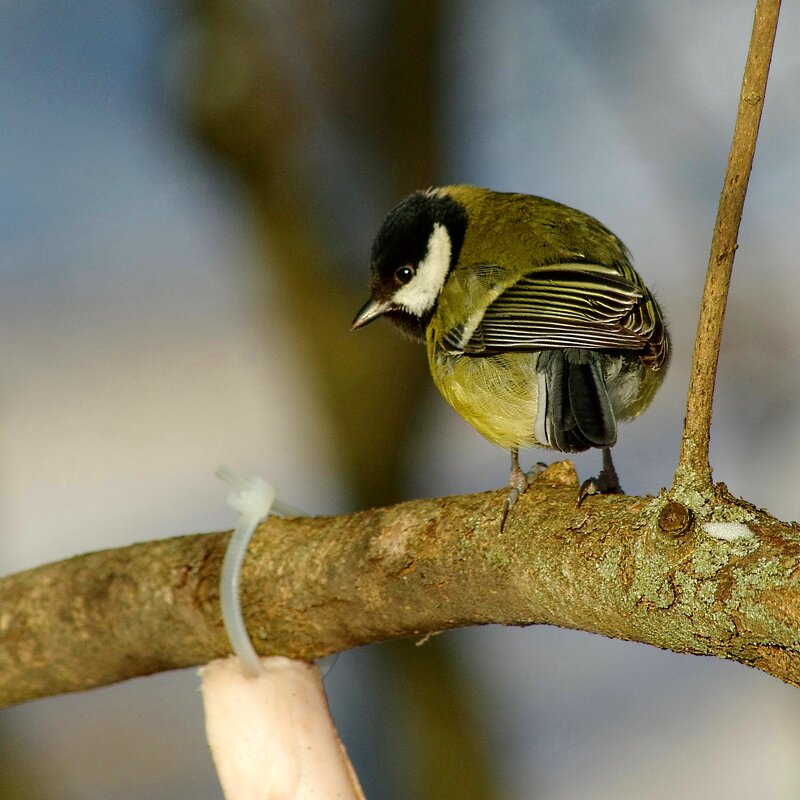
point(267, 719)
point(253, 498)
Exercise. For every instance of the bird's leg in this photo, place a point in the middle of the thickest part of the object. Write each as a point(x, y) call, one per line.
point(519, 482)
point(606, 482)
point(516, 477)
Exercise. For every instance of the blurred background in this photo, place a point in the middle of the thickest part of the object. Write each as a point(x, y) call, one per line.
point(188, 193)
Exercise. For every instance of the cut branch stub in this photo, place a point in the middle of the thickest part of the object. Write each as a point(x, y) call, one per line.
point(674, 519)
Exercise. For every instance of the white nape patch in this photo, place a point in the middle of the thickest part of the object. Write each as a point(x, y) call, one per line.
point(727, 531)
point(419, 295)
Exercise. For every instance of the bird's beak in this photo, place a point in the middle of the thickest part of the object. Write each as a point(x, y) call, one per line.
point(372, 310)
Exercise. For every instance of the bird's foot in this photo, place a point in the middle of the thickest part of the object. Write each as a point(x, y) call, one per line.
point(519, 481)
point(606, 482)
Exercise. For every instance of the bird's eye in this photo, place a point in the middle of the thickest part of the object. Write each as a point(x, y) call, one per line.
point(404, 274)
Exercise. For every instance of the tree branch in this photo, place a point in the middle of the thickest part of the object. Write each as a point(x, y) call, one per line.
point(644, 569)
point(694, 469)
point(627, 567)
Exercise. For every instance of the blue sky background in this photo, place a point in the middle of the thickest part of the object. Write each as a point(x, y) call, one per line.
point(134, 361)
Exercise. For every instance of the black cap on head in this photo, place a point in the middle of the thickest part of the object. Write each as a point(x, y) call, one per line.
point(402, 242)
point(404, 234)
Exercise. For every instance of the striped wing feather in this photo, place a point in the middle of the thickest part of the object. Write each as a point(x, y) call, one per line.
point(572, 305)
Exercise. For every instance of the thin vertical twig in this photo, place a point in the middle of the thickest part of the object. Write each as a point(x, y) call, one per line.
point(694, 468)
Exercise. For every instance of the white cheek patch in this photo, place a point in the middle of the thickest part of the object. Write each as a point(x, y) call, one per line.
point(419, 295)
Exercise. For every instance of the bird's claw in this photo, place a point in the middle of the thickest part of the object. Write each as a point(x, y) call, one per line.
point(519, 483)
point(606, 482)
point(602, 484)
point(535, 471)
point(509, 503)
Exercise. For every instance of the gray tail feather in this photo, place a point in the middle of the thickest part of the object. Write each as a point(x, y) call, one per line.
point(578, 410)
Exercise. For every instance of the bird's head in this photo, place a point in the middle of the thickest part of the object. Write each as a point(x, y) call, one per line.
point(417, 246)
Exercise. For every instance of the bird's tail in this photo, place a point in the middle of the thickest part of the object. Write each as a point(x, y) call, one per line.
point(575, 409)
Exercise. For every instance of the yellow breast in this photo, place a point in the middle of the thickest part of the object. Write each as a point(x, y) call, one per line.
point(497, 395)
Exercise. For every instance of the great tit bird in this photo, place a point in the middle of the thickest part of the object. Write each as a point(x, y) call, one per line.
point(539, 332)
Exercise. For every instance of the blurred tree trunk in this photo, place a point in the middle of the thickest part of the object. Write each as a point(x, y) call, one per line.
point(311, 128)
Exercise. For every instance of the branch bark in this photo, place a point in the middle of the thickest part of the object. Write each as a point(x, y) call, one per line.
point(627, 567)
point(633, 568)
point(694, 469)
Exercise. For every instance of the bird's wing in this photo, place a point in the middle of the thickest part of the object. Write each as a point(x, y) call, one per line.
point(570, 305)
